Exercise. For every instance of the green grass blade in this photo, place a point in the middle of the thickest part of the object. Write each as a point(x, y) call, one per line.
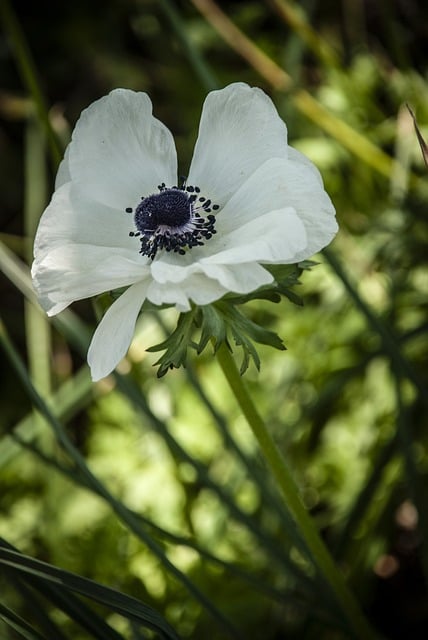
point(123, 604)
point(66, 601)
point(20, 626)
point(389, 340)
point(202, 69)
point(37, 325)
point(29, 76)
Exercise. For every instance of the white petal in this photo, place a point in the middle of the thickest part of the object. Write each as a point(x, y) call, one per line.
point(171, 267)
point(168, 293)
point(113, 336)
point(305, 192)
point(300, 158)
point(276, 237)
point(74, 272)
point(240, 129)
point(63, 174)
point(203, 290)
point(173, 272)
point(239, 278)
point(72, 218)
point(264, 191)
point(195, 288)
point(119, 151)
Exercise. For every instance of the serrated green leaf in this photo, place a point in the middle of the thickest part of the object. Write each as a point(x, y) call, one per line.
point(306, 265)
point(212, 326)
point(291, 296)
point(176, 344)
point(284, 273)
point(249, 351)
point(244, 332)
point(271, 294)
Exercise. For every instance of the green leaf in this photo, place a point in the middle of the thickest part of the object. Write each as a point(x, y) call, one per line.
point(212, 327)
point(123, 604)
point(17, 623)
point(244, 332)
point(176, 344)
point(289, 293)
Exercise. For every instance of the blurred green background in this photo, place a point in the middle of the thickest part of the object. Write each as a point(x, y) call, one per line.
point(347, 402)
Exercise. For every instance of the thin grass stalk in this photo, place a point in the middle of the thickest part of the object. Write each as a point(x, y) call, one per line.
point(294, 16)
point(202, 70)
point(365, 499)
point(12, 620)
point(389, 340)
point(237, 40)
point(36, 322)
point(72, 396)
point(34, 608)
point(29, 75)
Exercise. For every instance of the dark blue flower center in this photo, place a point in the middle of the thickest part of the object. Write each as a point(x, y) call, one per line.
point(175, 219)
point(169, 208)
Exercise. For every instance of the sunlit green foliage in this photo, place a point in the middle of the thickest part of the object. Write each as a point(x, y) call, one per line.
point(347, 401)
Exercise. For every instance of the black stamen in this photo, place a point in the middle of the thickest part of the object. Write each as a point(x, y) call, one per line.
point(173, 220)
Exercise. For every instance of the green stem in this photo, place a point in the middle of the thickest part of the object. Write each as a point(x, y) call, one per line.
point(320, 555)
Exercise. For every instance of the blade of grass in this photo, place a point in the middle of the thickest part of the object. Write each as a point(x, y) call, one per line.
point(34, 609)
point(202, 70)
point(423, 145)
point(20, 626)
point(237, 40)
point(366, 498)
point(292, 594)
point(36, 323)
point(114, 600)
point(389, 341)
point(66, 601)
point(29, 76)
point(73, 395)
point(295, 17)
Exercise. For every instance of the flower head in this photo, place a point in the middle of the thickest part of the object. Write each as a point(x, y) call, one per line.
point(120, 217)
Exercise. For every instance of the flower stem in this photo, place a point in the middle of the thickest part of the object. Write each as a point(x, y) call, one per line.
point(319, 553)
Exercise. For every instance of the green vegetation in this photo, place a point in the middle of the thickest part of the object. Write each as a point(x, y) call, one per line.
point(144, 507)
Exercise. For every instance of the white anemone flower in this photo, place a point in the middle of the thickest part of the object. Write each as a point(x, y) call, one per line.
point(119, 217)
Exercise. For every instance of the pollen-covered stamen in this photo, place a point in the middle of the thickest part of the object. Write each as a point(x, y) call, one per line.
point(175, 219)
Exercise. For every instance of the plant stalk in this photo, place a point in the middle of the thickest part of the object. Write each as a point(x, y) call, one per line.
point(320, 555)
